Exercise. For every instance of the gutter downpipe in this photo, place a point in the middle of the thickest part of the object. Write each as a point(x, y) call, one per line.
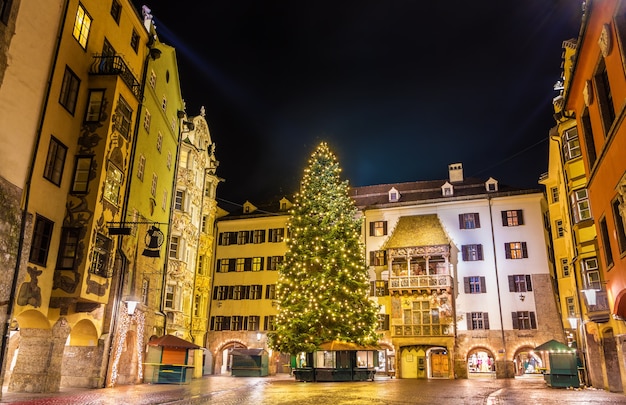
point(495, 263)
point(26, 198)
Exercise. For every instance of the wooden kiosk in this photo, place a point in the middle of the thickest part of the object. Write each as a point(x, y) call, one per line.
point(562, 368)
point(168, 360)
point(338, 361)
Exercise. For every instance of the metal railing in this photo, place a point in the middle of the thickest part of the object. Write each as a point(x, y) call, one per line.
point(115, 65)
point(435, 281)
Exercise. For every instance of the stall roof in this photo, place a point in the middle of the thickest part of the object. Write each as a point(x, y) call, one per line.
point(173, 341)
point(554, 346)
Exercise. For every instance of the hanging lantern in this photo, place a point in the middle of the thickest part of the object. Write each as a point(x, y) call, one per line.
point(154, 240)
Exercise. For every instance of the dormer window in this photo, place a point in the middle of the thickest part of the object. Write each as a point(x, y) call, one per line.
point(394, 195)
point(491, 185)
point(447, 190)
point(248, 207)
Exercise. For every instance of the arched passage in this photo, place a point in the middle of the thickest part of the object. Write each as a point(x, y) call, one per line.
point(480, 362)
point(80, 357)
point(526, 361)
point(223, 356)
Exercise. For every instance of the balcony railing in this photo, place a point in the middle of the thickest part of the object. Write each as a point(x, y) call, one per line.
point(422, 330)
point(435, 281)
point(115, 65)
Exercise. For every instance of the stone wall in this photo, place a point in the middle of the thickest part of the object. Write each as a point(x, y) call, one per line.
point(81, 367)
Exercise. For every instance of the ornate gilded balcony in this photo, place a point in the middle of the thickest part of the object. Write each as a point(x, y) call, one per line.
point(115, 65)
point(420, 282)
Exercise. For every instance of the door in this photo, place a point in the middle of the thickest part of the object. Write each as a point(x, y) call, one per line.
point(439, 363)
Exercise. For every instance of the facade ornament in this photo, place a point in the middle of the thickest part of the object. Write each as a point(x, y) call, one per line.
point(202, 111)
point(588, 93)
point(605, 40)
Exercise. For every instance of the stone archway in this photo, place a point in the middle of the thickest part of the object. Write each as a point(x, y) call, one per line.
point(82, 357)
point(480, 363)
point(223, 356)
point(526, 361)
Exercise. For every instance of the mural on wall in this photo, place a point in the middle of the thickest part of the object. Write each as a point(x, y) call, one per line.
point(30, 293)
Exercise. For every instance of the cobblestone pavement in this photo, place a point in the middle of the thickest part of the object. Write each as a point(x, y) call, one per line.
point(283, 390)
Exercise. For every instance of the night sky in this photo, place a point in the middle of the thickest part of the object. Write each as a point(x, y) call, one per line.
point(399, 89)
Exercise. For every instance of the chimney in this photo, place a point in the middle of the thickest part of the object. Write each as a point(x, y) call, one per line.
point(455, 171)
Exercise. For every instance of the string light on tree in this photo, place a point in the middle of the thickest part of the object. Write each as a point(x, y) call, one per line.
point(323, 283)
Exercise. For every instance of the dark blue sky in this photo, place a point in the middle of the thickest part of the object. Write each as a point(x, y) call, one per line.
point(399, 89)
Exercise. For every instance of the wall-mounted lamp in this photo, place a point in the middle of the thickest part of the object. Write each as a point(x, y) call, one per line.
point(131, 305)
point(522, 297)
point(573, 322)
point(590, 295)
point(258, 337)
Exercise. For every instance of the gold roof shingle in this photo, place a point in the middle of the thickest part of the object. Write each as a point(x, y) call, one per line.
point(417, 230)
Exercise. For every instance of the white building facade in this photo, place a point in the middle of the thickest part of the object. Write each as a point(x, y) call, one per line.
point(462, 272)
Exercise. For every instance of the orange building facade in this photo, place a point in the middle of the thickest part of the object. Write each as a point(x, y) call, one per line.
point(596, 98)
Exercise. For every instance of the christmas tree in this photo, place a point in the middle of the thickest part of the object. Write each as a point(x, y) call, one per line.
point(323, 283)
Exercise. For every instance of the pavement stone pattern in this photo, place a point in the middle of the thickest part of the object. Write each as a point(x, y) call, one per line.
point(284, 390)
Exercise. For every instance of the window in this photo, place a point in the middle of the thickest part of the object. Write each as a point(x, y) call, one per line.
point(153, 186)
point(475, 285)
point(620, 230)
point(554, 194)
point(179, 200)
point(200, 268)
point(100, 257)
point(378, 228)
point(146, 120)
point(113, 184)
point(259, 236)
point(515, 250)
point(565, 267)
point(472, 252)
point(170, 296)
point(580, 205)
point(257, 263)
point(55, 161)
point(571, 307)
point(255, 292)
point(241, 264)
point(227, 238)
point(164, 200)
point(524, 320)
point(591, 273)
point(123, 117)
point(145, 291)
point(378, 258)
point(164, 103)
point(141, 166)
point(269, 322)
point(512, 218)
point(174, 246)
point(276, 235)
point(197, 305)
point(606, 242)
point(159, 142)
point(42, 234)
point(244, 237)
point(94, 106)
point(152, 79)
point(68, 248)
point(69, 90)
point(571, 145)
point(520, 283)
point(82, 24)
point(5, 10)
point(469, 221)
point(222, 265)
point(604, 96)
point(273, 262)
point(169, 160)
point(237, 292)
point(204, 223)
point(379, 288)
point(559, 231)
point(590, 145)
point(82, 169)
point(477, 320)
point(254, 322)
point(382, 322)
point(270, 292)
point(116, 10)
point(134, 41)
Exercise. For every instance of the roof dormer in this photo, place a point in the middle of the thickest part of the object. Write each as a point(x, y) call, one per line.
point(447, 190)
point(248, 207)
point(491, 185)
point(285, 204)
point(394, 195)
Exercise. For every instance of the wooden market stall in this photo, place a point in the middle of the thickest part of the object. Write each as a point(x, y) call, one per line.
point(338, 361)
point(562, 365)
point(168, 360)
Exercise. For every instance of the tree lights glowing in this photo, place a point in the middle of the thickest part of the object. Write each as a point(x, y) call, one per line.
point(323, 283)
